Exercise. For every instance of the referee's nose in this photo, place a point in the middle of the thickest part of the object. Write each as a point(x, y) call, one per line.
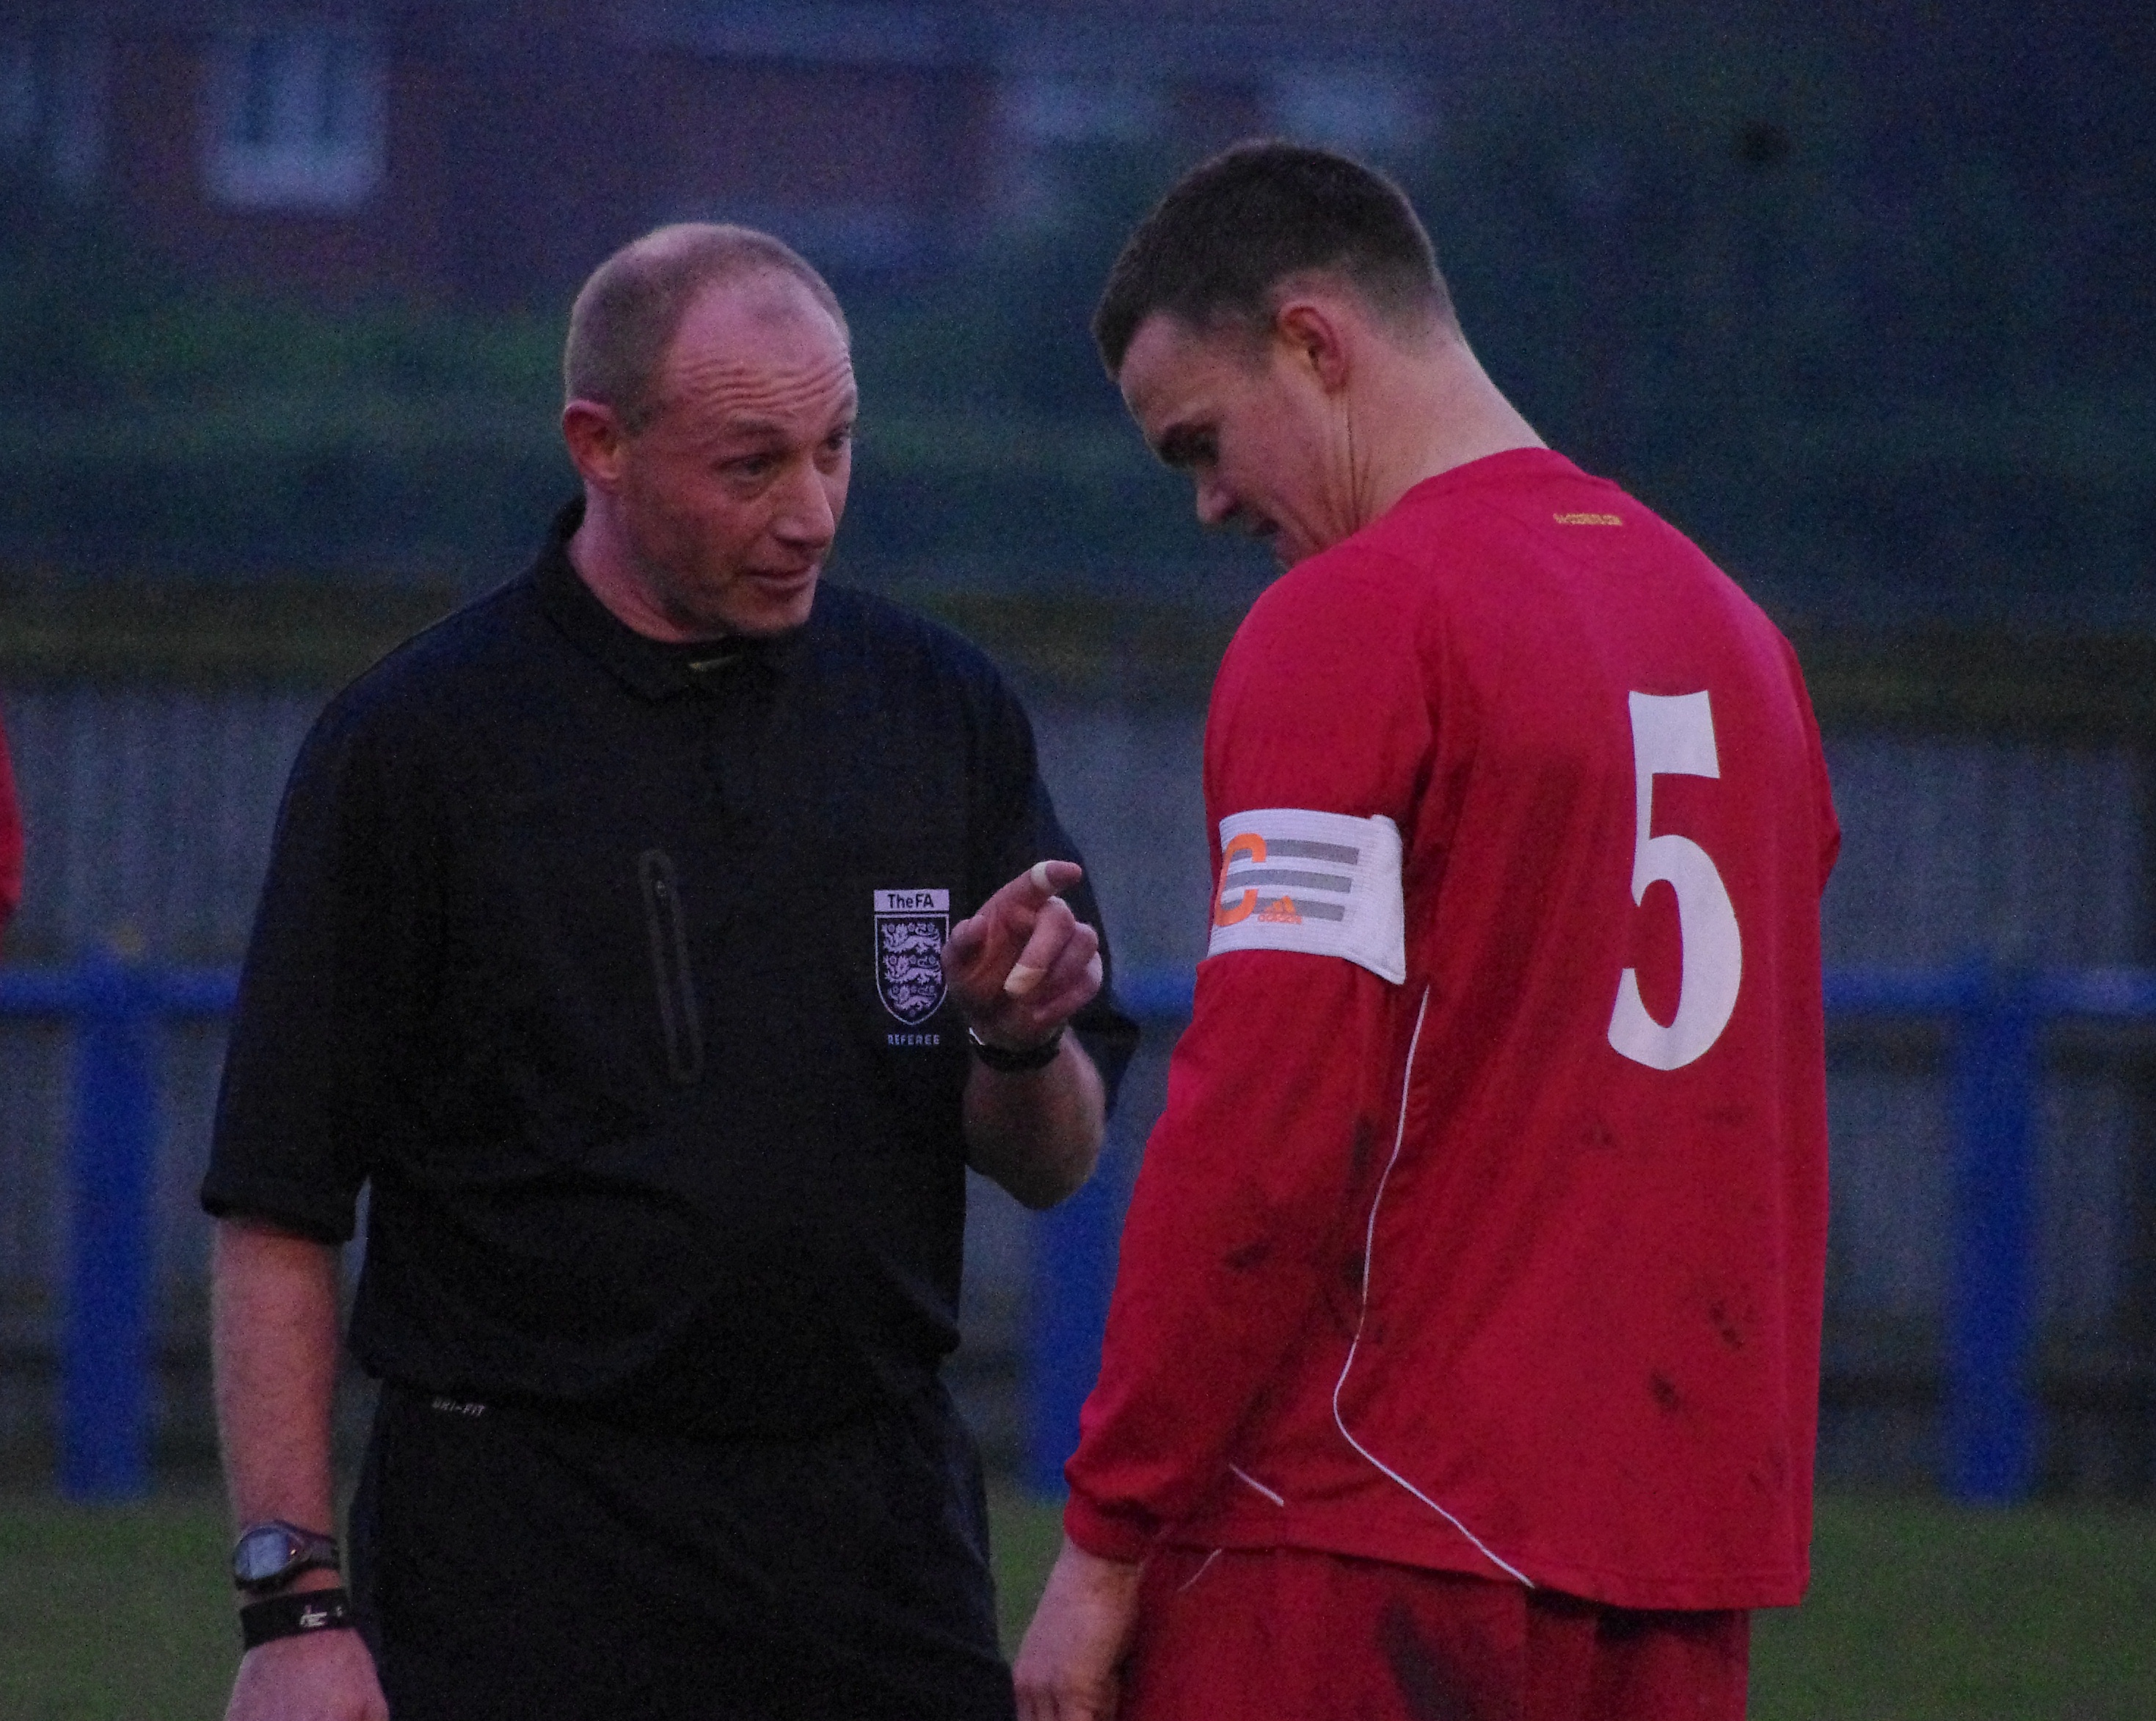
point(808, 514)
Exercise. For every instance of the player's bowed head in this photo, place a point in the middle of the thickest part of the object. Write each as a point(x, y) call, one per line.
point(1280, 332)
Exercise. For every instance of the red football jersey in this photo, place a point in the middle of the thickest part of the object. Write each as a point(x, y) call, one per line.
point(1486, 1226)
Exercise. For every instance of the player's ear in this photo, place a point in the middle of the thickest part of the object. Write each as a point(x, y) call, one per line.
point(1315, 339)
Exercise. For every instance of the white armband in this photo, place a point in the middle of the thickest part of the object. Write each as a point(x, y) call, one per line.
point(1294, 880)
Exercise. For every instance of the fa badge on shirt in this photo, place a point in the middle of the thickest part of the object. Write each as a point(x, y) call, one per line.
point(910, 926)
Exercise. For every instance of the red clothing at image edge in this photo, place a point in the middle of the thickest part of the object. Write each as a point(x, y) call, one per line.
point(1583, 1350)
point(10, 839)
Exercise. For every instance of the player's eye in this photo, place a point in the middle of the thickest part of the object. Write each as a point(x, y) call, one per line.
point(1190, 448)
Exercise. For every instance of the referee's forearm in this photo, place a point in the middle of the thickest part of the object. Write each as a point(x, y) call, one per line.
point(1038, 1131)
point(274, 1346)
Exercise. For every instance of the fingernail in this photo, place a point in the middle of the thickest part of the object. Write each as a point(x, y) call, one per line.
point(1040, 878)
point(1024, 977)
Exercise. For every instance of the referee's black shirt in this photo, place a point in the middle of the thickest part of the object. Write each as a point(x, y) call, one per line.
point(609, 965)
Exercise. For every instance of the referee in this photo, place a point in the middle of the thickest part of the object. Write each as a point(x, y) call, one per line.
point(655, 941)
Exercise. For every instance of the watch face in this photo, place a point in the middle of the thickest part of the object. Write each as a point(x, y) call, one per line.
point(261, 1555)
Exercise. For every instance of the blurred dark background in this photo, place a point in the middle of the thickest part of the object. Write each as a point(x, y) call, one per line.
point(1858, 295)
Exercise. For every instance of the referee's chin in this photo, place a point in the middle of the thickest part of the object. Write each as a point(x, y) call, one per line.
point(759, 606)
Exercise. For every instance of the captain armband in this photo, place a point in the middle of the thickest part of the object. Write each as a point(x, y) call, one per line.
point(1320, 882)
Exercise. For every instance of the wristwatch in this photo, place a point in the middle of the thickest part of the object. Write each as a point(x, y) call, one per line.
point(1015, 1063)
point(267, 1554)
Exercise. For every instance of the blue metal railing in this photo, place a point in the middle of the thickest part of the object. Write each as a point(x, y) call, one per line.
point(116, 1008)
point(1994, 1021)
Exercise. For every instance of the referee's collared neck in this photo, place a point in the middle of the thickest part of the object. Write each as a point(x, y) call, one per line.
point(655, 669)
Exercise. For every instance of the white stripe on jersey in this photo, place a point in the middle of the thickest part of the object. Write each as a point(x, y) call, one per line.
point(1355, 1344)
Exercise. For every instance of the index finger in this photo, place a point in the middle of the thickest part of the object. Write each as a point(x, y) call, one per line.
point(1045, 879)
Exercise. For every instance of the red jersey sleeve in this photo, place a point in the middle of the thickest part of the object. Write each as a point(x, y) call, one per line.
point(1245, 1210)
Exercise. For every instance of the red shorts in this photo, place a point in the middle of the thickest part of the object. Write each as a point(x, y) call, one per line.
point(1287, 1634)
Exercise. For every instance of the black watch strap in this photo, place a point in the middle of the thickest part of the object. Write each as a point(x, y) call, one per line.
point(295, 1616)
point(1015, 1063)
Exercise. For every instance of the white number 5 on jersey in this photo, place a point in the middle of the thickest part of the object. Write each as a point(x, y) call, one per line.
point(1674, 737)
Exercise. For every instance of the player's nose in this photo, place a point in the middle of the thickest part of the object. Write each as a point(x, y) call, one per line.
point(1217, 504)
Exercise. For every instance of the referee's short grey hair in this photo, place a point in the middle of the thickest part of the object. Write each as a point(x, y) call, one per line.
point(626, 315)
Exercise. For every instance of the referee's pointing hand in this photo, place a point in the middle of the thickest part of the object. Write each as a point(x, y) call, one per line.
point(1025, 964)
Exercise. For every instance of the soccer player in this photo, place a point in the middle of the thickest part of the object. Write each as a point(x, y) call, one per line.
point(1463, 1359)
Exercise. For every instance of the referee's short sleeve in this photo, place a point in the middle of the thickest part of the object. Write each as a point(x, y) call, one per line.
point(337, 982)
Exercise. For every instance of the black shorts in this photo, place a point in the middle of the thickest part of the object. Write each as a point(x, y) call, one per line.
point(530, 1566)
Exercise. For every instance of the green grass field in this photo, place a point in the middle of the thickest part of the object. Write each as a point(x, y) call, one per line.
point(1919, 1612)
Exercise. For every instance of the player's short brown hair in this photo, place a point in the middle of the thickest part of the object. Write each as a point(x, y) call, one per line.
point(627, 314)
point(1215, 249)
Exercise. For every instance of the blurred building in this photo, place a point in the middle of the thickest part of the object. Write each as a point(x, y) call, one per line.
point(477, 153)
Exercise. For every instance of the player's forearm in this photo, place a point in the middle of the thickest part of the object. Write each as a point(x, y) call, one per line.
point(1204, 1315)
point(274, 1346)
point(1245, 1208)
point(1038, 1131)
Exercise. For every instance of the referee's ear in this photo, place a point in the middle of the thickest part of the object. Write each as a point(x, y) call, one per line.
point(597, 443)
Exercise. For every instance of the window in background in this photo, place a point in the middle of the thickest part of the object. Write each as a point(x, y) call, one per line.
point(1063, 109)
point(865, 237)
point(52, 107)
point(1368, 112)
point(296, 117)
point(1049, 119)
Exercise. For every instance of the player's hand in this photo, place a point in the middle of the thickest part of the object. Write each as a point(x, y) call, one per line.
point(323, 1676)
point(1067, 1669)
point(1025, 964)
